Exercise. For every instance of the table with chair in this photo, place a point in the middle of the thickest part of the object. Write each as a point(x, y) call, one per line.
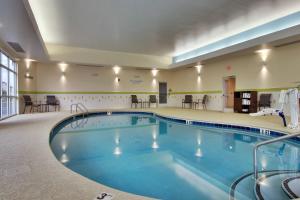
point(194, 104)
point(202, 101)
point(40, 106)
point(144, 103)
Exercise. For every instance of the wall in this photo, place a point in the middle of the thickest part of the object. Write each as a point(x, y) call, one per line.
point(280, 70)
point(96, 86)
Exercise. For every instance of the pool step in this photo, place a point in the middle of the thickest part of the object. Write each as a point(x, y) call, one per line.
point(291, 186)
point(268, 186)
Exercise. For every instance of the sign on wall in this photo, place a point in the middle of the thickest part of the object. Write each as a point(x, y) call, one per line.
point(136, 80)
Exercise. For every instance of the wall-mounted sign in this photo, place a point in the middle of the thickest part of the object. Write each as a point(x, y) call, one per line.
point(136, 80)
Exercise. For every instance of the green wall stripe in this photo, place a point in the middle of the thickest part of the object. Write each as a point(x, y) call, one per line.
point(199, 92)
point(266, 89)
point(81, 92)
point(135, 92)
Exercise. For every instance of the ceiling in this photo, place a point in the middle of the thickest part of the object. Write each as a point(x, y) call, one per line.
point(16, 26)
point(130, 32)
point(156, 27)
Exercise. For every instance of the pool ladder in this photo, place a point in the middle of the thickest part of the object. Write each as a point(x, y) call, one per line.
point(255, 167)
point(80, 107)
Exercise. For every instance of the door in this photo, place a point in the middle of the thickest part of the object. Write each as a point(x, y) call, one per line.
point(229, 88)
point(163, 92)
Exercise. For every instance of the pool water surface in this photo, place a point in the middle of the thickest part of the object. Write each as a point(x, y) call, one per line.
point(146, 155)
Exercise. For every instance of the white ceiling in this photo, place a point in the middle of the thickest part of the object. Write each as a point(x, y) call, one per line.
point(140, 33)
point(16, 26)
point(152, 27)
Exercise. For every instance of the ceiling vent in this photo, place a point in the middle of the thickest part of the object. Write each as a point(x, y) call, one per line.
point(16, 46)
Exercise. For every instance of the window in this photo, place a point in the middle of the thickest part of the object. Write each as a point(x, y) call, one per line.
point(8, 86)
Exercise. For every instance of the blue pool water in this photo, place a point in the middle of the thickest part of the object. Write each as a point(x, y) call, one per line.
point(154, 157)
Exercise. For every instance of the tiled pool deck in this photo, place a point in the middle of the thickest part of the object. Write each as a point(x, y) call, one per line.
point(29, 170)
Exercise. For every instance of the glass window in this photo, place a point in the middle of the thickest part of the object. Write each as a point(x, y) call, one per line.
point(4, 82)
point(12, 106)
point(11, 65)
point(12, 84)
point(4, 107)
point(4, 60)
point(8, 86)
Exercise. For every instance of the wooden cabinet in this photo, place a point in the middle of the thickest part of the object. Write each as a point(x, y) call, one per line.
point(245, 102)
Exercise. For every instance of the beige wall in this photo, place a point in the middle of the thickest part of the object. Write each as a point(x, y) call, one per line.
point(282, 70)
point(26, 84)
point(93, 79)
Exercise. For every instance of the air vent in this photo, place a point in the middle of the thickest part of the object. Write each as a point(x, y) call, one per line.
point(16, 46)
point(288, 43)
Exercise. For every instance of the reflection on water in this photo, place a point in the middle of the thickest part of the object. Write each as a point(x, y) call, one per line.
point(163, 128)
point(148, 156)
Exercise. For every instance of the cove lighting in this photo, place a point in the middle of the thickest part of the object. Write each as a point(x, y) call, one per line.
point(276, 25)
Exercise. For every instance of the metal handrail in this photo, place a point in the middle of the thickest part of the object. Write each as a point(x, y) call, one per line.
point(79, 106)
point(265, 143)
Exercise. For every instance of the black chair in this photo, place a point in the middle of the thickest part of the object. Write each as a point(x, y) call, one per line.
point(188, 99)
point(136, 101)
point(52, 101)
point(204, 102)
point(29, 103)
point(264, 101)
point(152, 99)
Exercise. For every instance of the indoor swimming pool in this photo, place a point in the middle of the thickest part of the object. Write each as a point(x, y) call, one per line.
point(166, 158)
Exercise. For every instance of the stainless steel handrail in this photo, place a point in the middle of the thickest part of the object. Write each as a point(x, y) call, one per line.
point(79, 106)
point(265, 143)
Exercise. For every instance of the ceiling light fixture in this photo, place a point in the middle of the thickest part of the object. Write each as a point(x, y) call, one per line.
point(264, 53)
point(117, 69)
point(154, 72)
point(198, 67)
point(63, 66)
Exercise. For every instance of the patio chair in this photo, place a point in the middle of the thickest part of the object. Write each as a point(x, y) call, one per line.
point(204, 102)
point(152, 99)
point(188, 99)
point(29, 103)
point(52, 101)
point(264, 101)
point(136, 101)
